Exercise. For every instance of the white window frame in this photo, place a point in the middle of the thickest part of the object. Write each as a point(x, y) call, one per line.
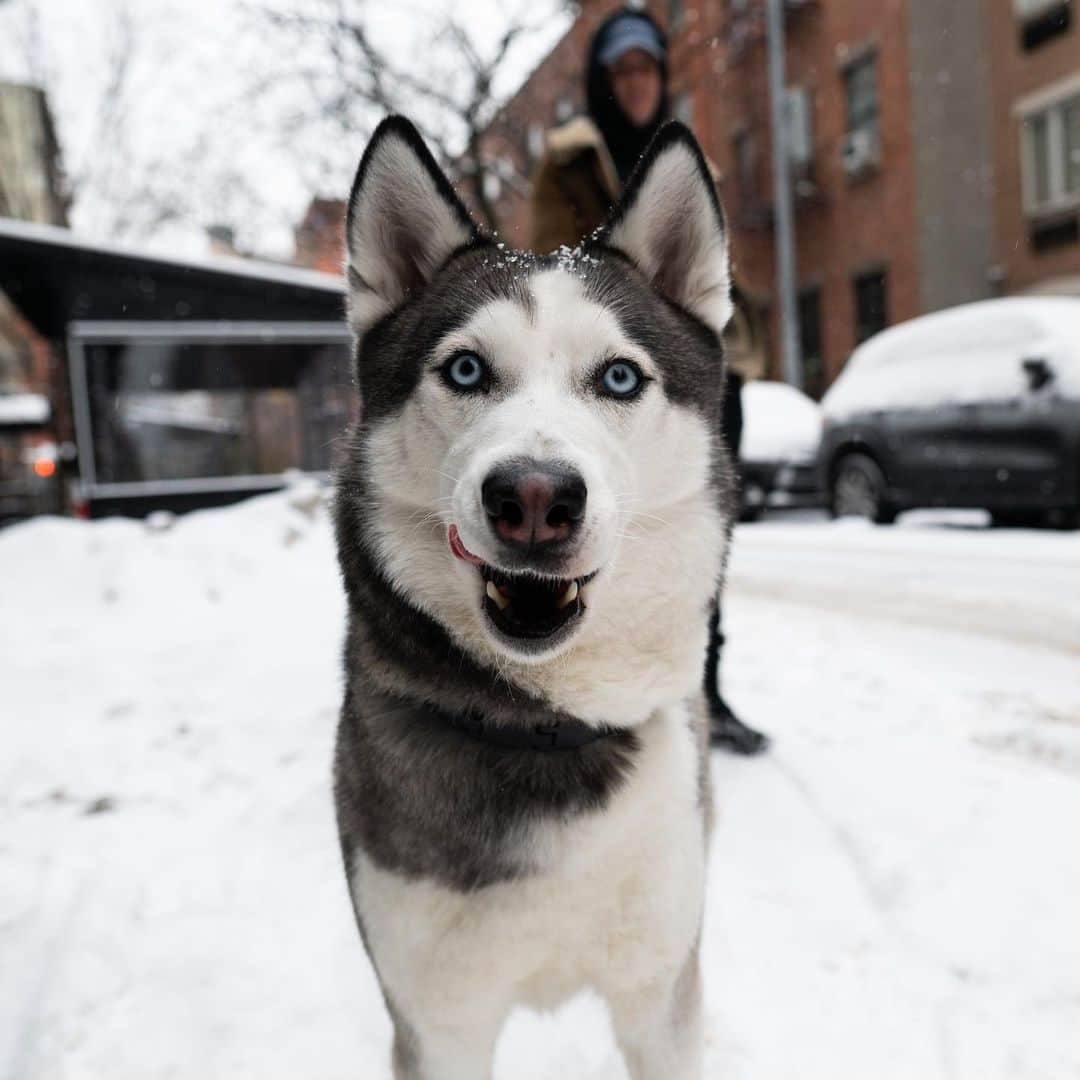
point(1050, 103)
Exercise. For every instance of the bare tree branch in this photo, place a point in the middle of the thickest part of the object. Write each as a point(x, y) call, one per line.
point(349, 79)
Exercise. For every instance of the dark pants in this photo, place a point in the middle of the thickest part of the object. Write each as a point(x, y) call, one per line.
point(712, 657)
point(725, 728)
point(731, 419)
point(731, 426)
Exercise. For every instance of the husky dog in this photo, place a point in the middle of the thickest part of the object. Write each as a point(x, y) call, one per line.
point(532, 518)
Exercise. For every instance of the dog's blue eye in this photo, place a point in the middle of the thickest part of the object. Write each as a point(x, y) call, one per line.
point(466, 371)
point(621, 379)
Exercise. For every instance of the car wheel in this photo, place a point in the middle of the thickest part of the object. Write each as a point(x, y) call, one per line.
point(751, 500)
point(858, 490)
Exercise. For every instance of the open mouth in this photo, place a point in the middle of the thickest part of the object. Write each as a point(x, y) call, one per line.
point(524, 606)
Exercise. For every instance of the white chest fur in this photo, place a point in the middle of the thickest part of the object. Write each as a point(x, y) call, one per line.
point(616, 903)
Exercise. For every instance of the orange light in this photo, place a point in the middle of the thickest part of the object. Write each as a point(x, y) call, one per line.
point(45, 467)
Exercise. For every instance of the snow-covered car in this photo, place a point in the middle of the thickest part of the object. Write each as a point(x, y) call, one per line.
point(28, 458)
point(975, 406)
point(778, 457)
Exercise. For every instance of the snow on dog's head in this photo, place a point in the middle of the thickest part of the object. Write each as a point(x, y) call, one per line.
point(539, 447)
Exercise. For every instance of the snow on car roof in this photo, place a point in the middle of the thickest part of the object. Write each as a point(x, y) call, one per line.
point(1048, 314)
point(963, 355)
point(780, 423)
point(23, 409)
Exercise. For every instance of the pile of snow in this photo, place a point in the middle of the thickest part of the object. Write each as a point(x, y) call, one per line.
point(962, 356)
point(780, 423)
point(24, 409)
point(892, 891)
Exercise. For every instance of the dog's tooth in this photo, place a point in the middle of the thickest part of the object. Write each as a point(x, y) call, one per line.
point(496, 597)
point(569, 596)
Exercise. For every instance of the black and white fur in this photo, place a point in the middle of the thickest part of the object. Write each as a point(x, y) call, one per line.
point(486, 876)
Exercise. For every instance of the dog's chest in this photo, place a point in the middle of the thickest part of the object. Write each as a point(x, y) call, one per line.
point(617, 896)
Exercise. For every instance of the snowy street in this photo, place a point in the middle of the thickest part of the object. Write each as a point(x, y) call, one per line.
point(894, 890)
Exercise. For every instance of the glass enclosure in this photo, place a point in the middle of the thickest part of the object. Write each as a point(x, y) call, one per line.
point(160, 409)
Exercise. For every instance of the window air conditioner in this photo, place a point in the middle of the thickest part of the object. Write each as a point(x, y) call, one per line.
point(861, 151)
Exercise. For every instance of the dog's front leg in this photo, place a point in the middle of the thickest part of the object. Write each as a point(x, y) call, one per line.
point(660, 1030)
point(444, 1052)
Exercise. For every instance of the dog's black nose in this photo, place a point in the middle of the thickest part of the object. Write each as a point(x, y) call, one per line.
point(533, 503)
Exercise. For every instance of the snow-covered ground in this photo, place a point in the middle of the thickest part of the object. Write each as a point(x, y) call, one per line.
point(895, 890)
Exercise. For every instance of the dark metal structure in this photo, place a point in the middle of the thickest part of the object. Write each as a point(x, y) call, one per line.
point(186, 383)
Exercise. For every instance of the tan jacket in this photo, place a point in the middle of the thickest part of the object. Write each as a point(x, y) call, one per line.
point(574, 187)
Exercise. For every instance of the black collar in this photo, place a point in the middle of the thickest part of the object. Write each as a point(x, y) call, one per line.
point(557, 734)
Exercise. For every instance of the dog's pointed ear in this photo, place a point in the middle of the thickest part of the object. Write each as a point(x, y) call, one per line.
point(670, 225)
point(403, 222)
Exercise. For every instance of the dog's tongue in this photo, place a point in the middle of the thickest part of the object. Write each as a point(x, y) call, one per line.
point(460, 550)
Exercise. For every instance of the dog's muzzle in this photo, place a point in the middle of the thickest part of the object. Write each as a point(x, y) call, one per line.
point(532, 583)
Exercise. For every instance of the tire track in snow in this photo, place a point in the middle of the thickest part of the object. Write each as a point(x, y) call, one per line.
point(842, 842)
point(844, 586)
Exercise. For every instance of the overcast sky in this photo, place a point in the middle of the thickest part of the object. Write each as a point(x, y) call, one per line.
point(191, 60)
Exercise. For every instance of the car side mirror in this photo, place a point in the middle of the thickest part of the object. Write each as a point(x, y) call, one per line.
point(1038, 371)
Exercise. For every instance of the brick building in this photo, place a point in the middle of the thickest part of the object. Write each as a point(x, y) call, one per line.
point(32, 188)
point(320, 237)
point(913, 127)
point(1036, 106)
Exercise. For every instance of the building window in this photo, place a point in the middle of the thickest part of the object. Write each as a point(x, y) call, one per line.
point(799, 135)
point(1041, 20)
point(1051, 157)
point(813, 367)
point(170, 409)
point(747, 188)
point(1047, 236)
point(871, 305)
point(861, 94)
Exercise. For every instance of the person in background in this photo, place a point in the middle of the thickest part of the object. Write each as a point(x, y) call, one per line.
point(726, 728)
point(587, 161)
